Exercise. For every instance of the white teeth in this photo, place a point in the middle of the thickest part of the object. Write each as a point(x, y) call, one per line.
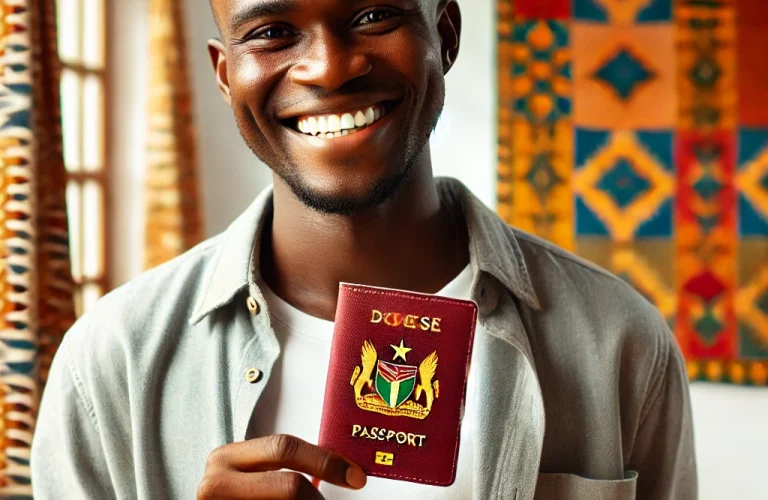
point(359, 119)
point(334, 123)
point(347, 121)
point(311, 126)
point(332, 126)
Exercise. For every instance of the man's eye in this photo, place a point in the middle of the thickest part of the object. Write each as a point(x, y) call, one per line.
point(375, 16)
point(274, 33)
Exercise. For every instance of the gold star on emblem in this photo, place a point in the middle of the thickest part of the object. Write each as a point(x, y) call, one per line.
point(400, 351)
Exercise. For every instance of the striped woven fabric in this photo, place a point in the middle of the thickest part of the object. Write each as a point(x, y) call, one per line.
point(35, 282)
point(172, 194)
point(635, 133)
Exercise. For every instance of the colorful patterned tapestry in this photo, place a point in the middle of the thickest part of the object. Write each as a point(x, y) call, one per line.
point(635, 133)
point(36, 287)
point(172, 194)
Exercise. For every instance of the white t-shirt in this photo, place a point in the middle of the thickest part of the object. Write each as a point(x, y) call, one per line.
point(292, 403)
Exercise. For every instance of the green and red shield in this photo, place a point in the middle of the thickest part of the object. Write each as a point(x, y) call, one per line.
point(395, 383)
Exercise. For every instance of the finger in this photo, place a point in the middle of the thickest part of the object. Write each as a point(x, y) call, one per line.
point(289, 452)
point(271, 485)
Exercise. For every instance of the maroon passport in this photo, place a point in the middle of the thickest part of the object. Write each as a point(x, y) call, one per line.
point(394, 398)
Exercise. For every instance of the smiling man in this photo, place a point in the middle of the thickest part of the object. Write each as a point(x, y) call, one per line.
point(204, 377)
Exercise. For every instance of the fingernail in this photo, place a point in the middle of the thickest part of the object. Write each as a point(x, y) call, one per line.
point(356, 478)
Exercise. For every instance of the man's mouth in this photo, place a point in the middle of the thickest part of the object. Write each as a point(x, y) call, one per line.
point(342, 124)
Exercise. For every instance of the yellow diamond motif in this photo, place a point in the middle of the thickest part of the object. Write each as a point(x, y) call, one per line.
point(747, 309)
point(622, 223)
point(623, 11)
point(748, 181)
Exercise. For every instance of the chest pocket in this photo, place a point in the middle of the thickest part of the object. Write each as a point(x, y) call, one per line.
point(572, 487)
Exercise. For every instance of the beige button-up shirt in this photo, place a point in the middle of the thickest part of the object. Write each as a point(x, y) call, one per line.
point(582, 395)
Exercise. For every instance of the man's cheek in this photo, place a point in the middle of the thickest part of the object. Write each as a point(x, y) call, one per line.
point(413, 56)
point(248, 72)
point(253, 134)
point(250, 84)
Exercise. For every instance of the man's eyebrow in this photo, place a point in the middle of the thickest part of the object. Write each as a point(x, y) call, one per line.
point(256, 9)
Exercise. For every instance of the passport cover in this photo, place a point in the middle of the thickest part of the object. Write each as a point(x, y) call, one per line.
point(397, 380)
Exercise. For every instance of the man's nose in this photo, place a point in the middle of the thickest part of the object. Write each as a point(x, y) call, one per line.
point(330, 63)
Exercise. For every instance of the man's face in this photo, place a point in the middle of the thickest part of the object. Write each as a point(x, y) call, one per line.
point(338, 97)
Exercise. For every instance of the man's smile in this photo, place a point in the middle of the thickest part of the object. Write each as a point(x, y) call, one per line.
point(339, 133)
point(341, 124)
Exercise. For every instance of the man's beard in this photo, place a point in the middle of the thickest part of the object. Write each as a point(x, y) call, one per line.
point(378, 193)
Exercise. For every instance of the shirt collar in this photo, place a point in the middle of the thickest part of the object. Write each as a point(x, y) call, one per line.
point(236, 263)
point(493, 246)
point(493, 249)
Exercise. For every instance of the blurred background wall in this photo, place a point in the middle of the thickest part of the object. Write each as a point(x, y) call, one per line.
point(731, 433)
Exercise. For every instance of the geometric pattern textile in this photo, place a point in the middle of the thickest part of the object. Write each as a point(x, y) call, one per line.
point(36, 287)
point(173, 220)
point(635, 133)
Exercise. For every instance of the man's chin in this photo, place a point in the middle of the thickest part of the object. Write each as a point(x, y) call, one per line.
point(348, 203)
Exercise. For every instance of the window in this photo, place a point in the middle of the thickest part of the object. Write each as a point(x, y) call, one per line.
point(82, 50)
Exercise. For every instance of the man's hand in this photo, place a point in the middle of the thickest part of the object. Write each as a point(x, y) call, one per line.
point(251, 470)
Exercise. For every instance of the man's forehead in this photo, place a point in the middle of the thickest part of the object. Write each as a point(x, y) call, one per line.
point(232, 6)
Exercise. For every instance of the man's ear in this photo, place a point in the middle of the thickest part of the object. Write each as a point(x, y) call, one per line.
point(218, 54)
point(449, 28)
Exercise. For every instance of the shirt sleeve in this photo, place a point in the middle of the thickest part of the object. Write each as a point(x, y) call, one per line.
point(67, 457)
point(664, 452)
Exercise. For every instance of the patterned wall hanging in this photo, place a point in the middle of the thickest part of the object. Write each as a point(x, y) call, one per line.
point(173, 223)
point(36, 288)
point(635, 133)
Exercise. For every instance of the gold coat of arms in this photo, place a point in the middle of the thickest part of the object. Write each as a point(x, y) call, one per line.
point(391, 391)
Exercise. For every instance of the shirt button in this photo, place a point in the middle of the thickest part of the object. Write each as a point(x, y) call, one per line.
point(252, 375)
point(253, 305)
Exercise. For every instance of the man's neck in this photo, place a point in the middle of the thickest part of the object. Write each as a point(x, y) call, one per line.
point(411, 242)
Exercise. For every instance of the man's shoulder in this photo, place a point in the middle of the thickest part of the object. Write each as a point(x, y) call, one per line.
point(596, 319)
point(577, 293)
point(176, 284)
point(158, 302)
point(557, 272)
